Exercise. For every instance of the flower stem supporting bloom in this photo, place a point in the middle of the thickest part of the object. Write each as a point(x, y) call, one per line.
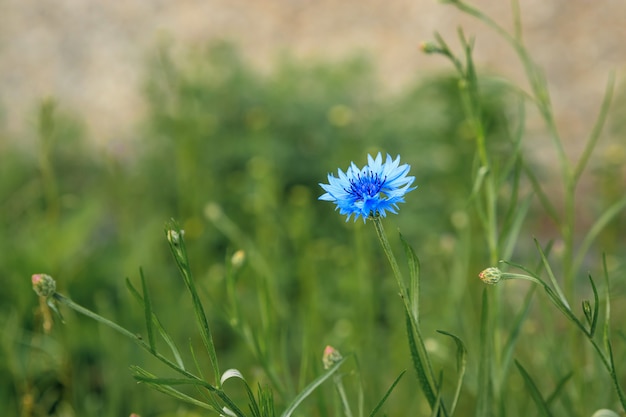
point(382, 237)
point(427, 376)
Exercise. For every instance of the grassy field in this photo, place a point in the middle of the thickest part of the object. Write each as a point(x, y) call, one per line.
point(236, 158)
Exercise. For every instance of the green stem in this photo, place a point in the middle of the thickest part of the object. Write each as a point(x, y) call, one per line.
point(382, 237)
point(134, 337)
point(534, 76)
point(342, 395)
point(421, 348)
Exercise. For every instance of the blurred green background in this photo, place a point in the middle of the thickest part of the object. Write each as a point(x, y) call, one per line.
point(236, 155)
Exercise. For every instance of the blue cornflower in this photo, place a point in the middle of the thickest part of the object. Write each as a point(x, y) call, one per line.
point(370, 191)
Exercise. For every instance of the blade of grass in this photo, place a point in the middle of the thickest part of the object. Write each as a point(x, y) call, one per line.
point(543, 198)
point(607, 335)
point(596, 308)
point(461, 364)
point(435, 411)
point(234, 373)
point(310, 388)
point(414, 277)
point(164, 386)
point(595, 230)
point(143, 376)
point(177, 246)
point(535, 393)
point(484, 400)
point(559, 388)
point(512, 232)
point(157, 323)
point(419, 367)
point(514, 335)
point(382, 400)
point(597, 128)
point(548, 269)
point(147, 308)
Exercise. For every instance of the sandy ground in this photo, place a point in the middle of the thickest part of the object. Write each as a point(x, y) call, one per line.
point(91, 54)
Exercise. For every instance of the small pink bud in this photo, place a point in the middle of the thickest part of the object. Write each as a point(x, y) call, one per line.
point(43, 285)
point(331, 356)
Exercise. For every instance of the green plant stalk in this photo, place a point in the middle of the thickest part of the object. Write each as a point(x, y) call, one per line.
point(177, 245)
point(565, 309)
point(421, 348)
point(541, 98)
point(311, 387)
point(470, 99)
point(134, 337)
point(191, 378)
point(533, 74)
point(595, 230)
point(342, 395)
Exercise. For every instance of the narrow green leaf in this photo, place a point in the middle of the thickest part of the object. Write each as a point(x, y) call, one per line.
point(548, 269)
point(177, 245)
point(515, 332)
point(596, 308)
point(535, 393)
point(607, 308)
point(607, 335)
point(382, 400)
point(143, 376)
point(235, 373)
point(435, 411)
point(523, 268)
point(150, 379)
point(559, 388)
point(414, 277)
point(597, 129)
point(419, 366)
point(484, 400)
point(157, 323)
point(310, 388)
point(556, 300)
point(606, 217)
point(515, 226)
point(461, 364)
point(147, 308)
point(543, 198)
point(515, 163)
point(195, 359)
point(164, 385)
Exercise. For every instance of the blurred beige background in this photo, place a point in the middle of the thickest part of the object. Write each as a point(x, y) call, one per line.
point(91, 54)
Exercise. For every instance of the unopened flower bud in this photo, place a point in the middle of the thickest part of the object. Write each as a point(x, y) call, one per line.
point(429, 48)
point(44, 285)
point(331, 356)
point(174, 237)
point(490, 275)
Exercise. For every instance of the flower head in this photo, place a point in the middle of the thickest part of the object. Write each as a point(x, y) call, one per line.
point(331, 356)
point(43, 284)
point(370, 191)
point(490, 275)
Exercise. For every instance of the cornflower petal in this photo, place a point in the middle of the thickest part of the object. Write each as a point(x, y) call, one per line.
point(371, 191)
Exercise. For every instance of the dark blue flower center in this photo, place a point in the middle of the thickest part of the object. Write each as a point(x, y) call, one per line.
point(365, 186)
